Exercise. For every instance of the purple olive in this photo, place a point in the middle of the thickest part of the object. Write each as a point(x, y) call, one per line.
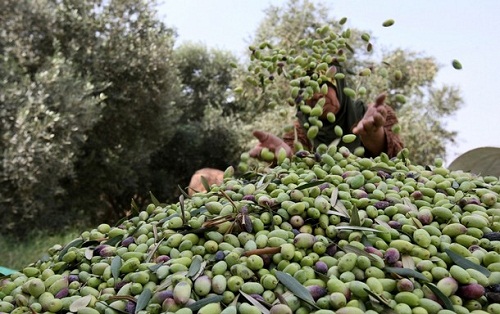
point(162, 259)
point(394, 224)
point(417, 195)
point(219, 256)
point(405, 284)
point(160, 296)
point(321, 267)
point(471, 291)
point(316, 291)
point(391, 255)
point(130, 307)
point(62, 293)
point(425, 217)
point(107, 251)
point(250, 197)
point(372, 250)
point(382, 204)
point(72, 278)
point(127, 241)
point(120, 284)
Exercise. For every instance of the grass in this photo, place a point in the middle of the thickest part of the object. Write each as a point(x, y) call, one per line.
point(17, 254)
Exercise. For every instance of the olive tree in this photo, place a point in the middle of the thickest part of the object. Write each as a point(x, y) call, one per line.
point(89, 92)
point(206, 136)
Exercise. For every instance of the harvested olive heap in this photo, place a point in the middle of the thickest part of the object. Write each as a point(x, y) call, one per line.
point(324, 232)
point(328, 231)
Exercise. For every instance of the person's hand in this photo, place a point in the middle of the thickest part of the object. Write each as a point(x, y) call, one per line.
point(270, 141)
point(373, 120)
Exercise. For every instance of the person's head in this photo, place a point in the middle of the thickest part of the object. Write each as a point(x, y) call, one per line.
point(332, 103)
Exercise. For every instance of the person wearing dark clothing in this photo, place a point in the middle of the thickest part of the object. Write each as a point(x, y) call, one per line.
point(371, 123)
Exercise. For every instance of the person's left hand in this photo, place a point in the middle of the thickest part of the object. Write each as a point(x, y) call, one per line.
point(271, 142)
point(373, 120)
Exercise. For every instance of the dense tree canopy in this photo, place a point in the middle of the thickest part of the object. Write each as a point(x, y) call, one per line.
point(90, 93)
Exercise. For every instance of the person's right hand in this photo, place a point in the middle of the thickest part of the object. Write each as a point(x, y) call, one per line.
point(272, 142)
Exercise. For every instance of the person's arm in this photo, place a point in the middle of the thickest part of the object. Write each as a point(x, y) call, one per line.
point(271, 142)
point(393, 141)
point(289, 137)
point(375, 129)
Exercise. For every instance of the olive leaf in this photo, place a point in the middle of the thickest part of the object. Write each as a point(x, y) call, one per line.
point(340, 207)
point(90, 243)
point(123, 219)
point(295, 286)
point(310, 185)
point(153, 251)
point(168, 218)
point(388, 309)
point(183, 192)
point(143, 300)
point(167, 282)
point(406, 272)
point(114, 240)
point(205, 184)
point(407, 201)
point(352, 249)
point(116, 263)
point(256, 303)
point(382, 223)
point(202, 302)
point(111, 307)
point(259, 184)
point(155, 201)
point(195, 266)
point(379, 167)
point(355, 221)
point(465, 263)
point(135, 208)
point(89, 253)
point(75, 243)
point(357, 228)
point(80, 303)
point(181, 203)
point(334, 196)
point(333, 212)
point(408, 262)
point(446, 301)
point(155, 267)
point(196, 212)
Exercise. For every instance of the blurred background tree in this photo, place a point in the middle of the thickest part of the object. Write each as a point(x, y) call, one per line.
point(205, 135)
point(91, 94)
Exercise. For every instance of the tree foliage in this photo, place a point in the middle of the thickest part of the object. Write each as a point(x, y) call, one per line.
point(206, 76)
point(42, 130)
point(206, 136)
point(89, 95)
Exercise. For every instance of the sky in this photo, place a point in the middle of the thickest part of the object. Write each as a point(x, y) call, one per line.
point(444, 29)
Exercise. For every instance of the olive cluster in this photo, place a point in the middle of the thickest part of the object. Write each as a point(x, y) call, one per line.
point(322, 232)
point(293, 75)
